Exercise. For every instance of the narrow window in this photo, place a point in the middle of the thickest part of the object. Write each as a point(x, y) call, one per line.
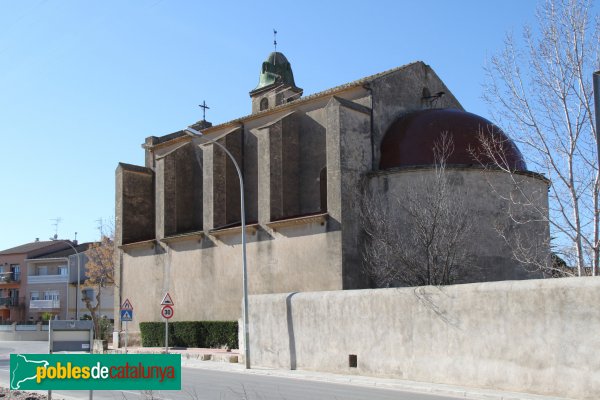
point(352, 361)
point(323, 189)
point(16, 271)
point(264, 104)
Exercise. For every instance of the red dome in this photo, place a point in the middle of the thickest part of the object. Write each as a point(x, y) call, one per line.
point(409, 141)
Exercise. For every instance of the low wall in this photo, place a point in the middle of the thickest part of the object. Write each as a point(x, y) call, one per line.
point(17, 332)
point(536, 336)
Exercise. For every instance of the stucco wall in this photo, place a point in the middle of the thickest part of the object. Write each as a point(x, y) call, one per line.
point(495, 200)
point(204, 277)
point(526, 336)
point(16, 332)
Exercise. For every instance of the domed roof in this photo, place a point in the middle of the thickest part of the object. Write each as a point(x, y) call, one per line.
point(409, 141)
point(275, 69)
point(277, 58)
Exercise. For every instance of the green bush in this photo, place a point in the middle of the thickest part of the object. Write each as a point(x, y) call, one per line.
point(208, 334)
point(153, 334)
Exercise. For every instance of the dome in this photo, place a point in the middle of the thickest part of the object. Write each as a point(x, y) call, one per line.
point(276, 69)
point(409, 141)
point(277, 58)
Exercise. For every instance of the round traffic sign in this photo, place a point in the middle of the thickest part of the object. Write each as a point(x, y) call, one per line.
point(167, 312)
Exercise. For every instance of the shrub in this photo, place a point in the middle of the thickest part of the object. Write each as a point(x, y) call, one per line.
point(153, 334)
point(209, 334)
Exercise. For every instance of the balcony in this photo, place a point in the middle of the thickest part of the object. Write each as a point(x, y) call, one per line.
point(35, 279)
point(9, 277)
point(9, 301)
point(44, 304)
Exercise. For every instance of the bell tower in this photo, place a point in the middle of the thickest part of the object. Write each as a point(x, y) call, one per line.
point(275, 85)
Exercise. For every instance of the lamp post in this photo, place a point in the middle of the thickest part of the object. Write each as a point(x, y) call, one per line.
point(197, 134)
point(54, 239)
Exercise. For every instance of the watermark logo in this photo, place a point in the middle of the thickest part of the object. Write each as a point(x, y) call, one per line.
point(95, 371)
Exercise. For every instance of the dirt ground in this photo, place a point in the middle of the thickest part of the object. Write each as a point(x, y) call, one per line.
point(6, 394)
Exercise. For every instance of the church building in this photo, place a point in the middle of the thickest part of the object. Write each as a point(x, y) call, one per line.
point(309, 166)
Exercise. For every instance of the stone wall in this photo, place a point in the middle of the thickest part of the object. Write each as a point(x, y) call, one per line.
point(533, 336)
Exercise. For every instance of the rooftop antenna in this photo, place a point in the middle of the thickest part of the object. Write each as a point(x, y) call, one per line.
point(100, 226)
point(204, 107)
point(275, 42)
point(57, 221)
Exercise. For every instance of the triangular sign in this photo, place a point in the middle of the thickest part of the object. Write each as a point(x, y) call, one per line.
point(167, 301)
point(126, 305)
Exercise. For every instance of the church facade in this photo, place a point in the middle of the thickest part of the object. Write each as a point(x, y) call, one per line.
point(310, 164)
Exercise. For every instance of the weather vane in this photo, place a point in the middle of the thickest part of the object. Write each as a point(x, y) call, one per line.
point(204, 107)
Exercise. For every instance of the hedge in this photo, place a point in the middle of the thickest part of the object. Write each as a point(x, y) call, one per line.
point(206, 334)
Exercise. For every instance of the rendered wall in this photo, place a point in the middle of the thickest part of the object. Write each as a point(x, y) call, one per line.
point(525, 336)
point(486, 194)
point(204, 277)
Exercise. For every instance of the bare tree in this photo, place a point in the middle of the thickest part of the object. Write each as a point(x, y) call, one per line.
point(422, 239)
point(542, 94)
point(525, 228)
point(100, 271)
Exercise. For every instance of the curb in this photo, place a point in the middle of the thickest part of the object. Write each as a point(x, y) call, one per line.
point(366, 381)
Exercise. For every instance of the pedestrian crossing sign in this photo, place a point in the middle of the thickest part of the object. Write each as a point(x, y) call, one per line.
point(126, 315)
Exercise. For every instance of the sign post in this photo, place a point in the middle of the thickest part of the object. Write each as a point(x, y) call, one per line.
point(126, 316)
point(167, 313)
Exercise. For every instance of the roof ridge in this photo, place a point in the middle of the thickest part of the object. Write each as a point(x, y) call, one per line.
point(301, 100)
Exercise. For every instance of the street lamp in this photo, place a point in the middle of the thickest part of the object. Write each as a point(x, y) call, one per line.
point(54, 239)
point(196, 135)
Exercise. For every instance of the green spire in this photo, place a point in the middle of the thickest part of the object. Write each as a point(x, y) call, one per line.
point(275, 70)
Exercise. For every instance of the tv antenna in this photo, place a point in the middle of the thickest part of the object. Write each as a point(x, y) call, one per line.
point(100, 226)
point(57, 221)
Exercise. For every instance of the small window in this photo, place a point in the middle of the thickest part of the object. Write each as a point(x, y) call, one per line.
point(51, 295)
point(87, 294)
point(264, 104)
point(323, 189)
point(42, 270)
point(352, 361)
point(62, 270)
point(35, 295)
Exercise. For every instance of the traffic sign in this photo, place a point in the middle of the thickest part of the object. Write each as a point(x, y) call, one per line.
point(126, 315)
point(167, 312)
point(126, 305)
point(167, 301)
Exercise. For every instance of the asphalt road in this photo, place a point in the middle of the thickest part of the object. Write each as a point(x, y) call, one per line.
point(200, 384)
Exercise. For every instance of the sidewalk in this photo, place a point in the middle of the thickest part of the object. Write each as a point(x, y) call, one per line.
point(222, 360)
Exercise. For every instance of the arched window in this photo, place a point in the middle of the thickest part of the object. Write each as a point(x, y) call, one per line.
point(264, 104)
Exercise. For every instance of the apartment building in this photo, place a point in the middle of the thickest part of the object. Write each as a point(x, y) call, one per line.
point(13, 279)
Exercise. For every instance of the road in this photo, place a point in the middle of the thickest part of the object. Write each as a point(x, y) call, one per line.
point(200, 384)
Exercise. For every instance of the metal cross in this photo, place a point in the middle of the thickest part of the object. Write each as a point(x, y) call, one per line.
point(203, 106)
point(275, 39)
